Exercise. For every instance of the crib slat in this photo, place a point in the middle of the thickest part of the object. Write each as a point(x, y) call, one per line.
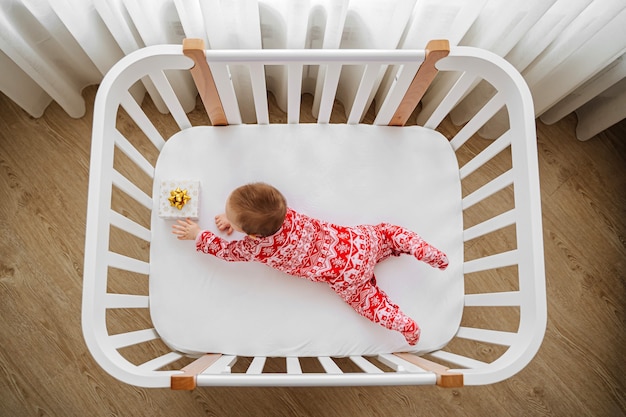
point(129, 226)
point(488, 336)
point(222, 366)
point(479, 120)
point(125, 263)
point(259, 92)
point(445, 377)
point(161, 361)
point(495, 223)
point(131, 190)
point(129, 150)
point(329, 365)
point(133, 338)
point(187, 378)
point(492, 187)
point(483, 157)
point(494, 299)
point(453, 96)
point(256, 367)
point(126, 301)
point(293, 365)
point(171, 100)
point(396, 93)
point(364, 92)
point(398, 364)
point(317, 94)
point(329, 91)
point(226, 92)
point(365, 365)
point(492, 262)
point(294, 92)
point(459, 360)
point(137, 114)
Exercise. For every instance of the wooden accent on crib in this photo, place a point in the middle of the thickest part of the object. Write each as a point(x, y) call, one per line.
point(187, 380)
point(203, 78)
point(435, 50)
point(445, 378)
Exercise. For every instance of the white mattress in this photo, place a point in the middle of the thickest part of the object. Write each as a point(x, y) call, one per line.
point(345, 174)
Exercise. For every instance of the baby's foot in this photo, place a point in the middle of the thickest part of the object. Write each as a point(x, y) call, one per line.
point(442, 263)
point(412, 334)
point(432, 256)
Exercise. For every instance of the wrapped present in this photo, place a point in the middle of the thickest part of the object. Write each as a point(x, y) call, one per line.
point(179, 199)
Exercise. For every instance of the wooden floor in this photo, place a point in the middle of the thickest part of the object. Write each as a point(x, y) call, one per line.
point(45, 368)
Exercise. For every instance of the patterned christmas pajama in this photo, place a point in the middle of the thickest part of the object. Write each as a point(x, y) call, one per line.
point(342, 257)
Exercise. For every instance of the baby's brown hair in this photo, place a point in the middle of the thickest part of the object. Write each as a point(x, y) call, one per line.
point(258, 208)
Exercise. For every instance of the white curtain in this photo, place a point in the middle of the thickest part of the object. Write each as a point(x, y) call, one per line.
point(569, 51)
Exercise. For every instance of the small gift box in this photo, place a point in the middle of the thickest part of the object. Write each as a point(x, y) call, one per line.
point(179, 199)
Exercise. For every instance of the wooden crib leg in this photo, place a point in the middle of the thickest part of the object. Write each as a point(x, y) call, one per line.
point(445, 378)
point(187, 380)
point(435, 50)
point(203, 78)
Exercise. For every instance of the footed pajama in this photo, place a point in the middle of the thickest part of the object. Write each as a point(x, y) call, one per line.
point(343, 257)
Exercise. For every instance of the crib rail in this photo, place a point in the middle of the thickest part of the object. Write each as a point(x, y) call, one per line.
point(125, 145)
point(387, 369)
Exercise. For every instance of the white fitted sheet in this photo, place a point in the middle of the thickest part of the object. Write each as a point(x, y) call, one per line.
point(345, 174)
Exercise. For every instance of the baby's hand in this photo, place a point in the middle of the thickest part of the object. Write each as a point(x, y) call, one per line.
point(223, 224)
point(186, 230)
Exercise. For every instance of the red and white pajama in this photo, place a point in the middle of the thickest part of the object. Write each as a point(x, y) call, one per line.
point(343, 257)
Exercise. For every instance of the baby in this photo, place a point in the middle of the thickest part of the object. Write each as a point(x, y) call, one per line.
point(342, 257)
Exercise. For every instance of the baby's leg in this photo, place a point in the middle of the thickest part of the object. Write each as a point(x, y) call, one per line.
point(373, 304)
point(406, 241)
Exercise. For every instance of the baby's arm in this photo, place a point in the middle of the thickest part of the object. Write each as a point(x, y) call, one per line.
point(232, 251)
point(186, 230)
point(212, 244)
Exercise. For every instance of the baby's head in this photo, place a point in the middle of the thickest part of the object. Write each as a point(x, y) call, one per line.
point(257, 209)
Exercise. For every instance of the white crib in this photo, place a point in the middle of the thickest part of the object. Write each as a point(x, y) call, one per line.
point(503, 265)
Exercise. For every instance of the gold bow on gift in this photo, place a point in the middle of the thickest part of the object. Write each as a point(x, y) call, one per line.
point(178, 198)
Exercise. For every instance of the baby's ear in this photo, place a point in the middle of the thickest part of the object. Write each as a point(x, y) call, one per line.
point(255, 237)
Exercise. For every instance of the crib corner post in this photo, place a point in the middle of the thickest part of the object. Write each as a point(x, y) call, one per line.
point(183, 382)
point(435, 50)
point(445, 378)
point(187, 380)
point(204, 81)
point(450, 379)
